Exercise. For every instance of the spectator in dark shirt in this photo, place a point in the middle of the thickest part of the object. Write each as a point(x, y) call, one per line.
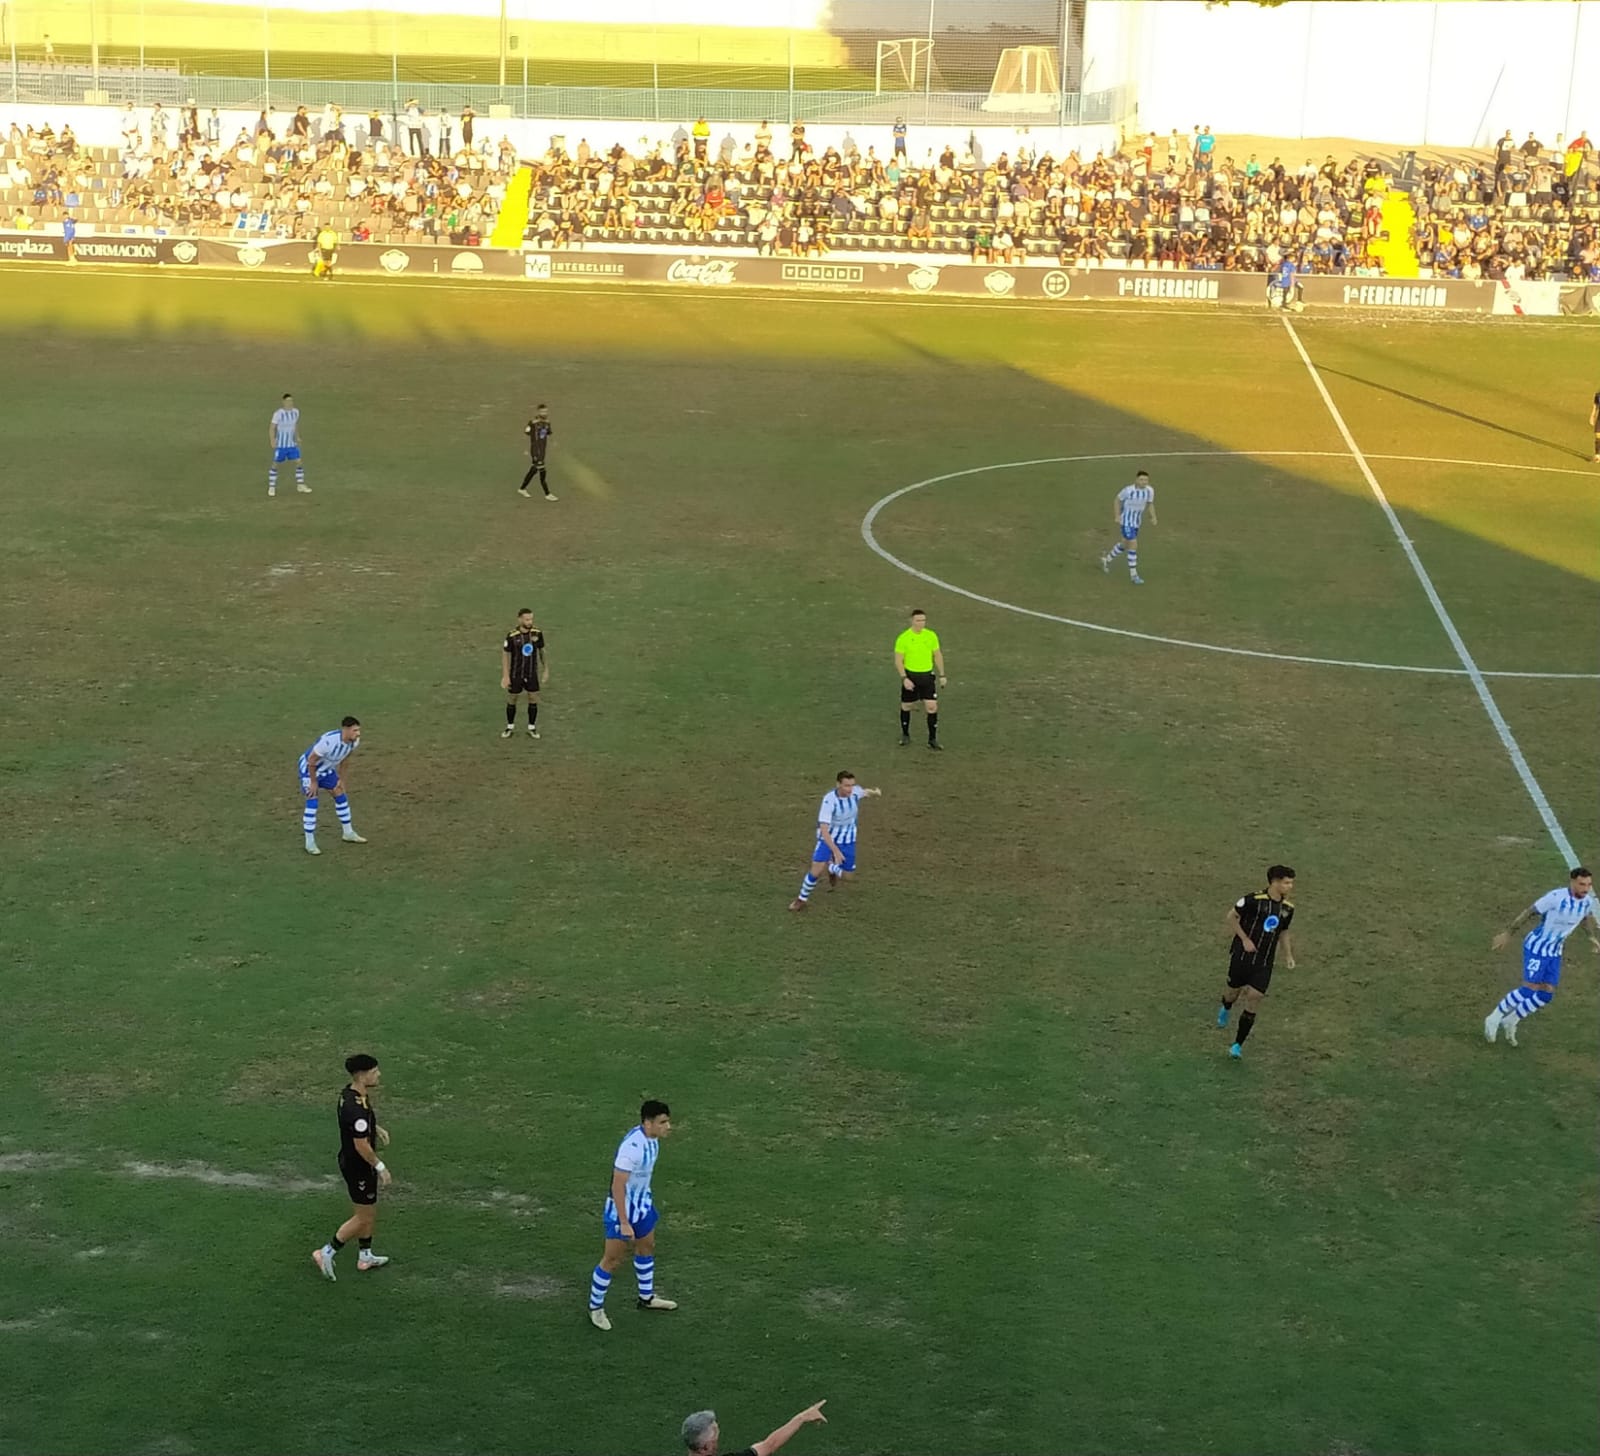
point(701, 1433)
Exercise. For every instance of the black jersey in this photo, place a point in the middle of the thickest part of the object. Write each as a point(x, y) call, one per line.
point(1265, 921)
point(538, 433)
point(357, 1119)
point(525, 648)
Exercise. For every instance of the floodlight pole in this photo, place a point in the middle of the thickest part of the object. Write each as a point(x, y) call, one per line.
point(1572, 71)
point(94, 48)
point(927, 69)
point(1427, 95)
point(502, 46)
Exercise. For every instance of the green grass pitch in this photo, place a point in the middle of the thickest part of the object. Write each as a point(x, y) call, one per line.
point(960, 1149)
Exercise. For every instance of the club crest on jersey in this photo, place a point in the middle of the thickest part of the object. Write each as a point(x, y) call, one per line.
point(527, 649)
point(1271, 923)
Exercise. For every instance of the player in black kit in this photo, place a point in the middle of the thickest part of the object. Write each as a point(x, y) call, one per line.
point(538, 430)
point(359, 1165)
point(1258, 921)
point(524, 668)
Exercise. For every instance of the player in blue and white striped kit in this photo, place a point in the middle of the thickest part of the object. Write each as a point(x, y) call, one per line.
point(1132, 502)
point(836, 835)
point(630, 1215)
point(283, 435)
point(319, 769)
point(1559, 913)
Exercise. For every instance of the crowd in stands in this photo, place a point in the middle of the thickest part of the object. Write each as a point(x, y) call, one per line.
point(282, 177)
point(1180, 203)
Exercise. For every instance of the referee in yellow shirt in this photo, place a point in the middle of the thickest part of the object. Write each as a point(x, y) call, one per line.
point(327, 252)
point(916, 656)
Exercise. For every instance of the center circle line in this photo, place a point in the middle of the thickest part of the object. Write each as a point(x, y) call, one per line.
point(874, 545)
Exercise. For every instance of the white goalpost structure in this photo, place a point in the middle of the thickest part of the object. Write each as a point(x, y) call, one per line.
point(906, 60)
point(1025, 79)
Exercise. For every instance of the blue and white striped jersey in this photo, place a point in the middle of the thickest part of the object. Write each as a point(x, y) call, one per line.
point(286, 428)
point(330, 748)
point(838, 814)
point(1563, 912)
point(1132, 501)
point(636, 1156)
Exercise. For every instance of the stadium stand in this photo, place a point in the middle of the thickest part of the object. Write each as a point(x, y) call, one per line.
point(1533, 215)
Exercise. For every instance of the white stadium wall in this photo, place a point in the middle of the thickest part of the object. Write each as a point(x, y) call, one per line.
point(1454, 73)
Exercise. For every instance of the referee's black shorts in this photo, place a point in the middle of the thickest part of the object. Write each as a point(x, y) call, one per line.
point(1244, 972)
point(924, 687)
point(360, 1179)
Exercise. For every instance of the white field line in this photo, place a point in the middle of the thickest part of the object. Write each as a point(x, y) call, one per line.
point(1508, 740)
point(875, 546)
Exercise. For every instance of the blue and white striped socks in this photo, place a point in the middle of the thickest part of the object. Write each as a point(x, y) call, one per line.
point(341, 807)
point(1519, 1003)
point(1113, 553)
point(645, 1270)
point(807, 886)
point(1133, 561)
point(272, 478)
point(308, 819)
point(599, 1282)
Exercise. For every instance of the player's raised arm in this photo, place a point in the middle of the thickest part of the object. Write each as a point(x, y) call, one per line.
point(769, 1444)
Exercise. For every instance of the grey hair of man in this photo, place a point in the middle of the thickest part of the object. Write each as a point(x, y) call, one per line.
point(697, 1430)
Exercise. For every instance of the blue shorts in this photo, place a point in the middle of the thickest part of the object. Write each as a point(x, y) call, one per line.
point(641, 1225)
point(823, 855)
point(1542, 969)
point(327, 778)
point(1130, 533)
point(285, 452)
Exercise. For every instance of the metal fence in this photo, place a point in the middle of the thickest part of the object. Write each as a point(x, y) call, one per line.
point(933, 62)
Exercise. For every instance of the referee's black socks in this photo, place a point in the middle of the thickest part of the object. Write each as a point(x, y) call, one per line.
point(905, 722)
point(933, 727)
point(1247, 1019)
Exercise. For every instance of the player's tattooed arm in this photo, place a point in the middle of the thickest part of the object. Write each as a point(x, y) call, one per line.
point(1502, 940)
